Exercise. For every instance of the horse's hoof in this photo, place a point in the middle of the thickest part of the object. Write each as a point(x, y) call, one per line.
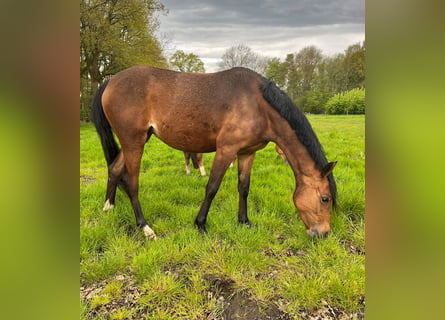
point(202, 229)
point(149, 233)
point(108, 205)
point(246, 223)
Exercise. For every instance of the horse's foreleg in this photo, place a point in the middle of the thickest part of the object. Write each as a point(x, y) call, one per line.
point(245, 162)
point(219, 168)
point(131, 181)
point(115, 171)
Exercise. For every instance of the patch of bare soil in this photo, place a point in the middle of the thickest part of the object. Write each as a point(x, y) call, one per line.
point(128, 298)
point(231, 304)
point(329, 313)
point(87, 179)
point(353, 249)
point(239, 305)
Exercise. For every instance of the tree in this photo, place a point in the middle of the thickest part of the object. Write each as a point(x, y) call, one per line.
point(304, 75)
point(310, 78)
point(313, 101)
point(354, 66)
point(335, 75)
point(243, 56)
point(186, 62)
point(277, 72)
point(114, 35)
point(293, 77)
point(307, 62)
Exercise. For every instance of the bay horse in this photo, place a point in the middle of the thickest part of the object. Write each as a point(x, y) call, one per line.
point(233, 113)
point(197, 160)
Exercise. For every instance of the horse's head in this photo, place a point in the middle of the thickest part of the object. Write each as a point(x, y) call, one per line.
point(313, 200)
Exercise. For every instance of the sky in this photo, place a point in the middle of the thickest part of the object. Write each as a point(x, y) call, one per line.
point(272, 28)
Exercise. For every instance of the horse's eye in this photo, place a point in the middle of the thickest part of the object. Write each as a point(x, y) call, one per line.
point(325, 199)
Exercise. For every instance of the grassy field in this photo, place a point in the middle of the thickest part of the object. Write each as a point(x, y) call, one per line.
point(272, 269)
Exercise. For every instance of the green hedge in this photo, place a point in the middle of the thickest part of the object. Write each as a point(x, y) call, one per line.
point(349, 102)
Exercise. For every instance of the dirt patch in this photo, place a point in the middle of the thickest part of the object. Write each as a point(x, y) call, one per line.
point(353, 249)
point(87, 179)
point(231, 303)
point(241, 306)
point(329, 313)
point(220, 287)
point(238, 305)
point(269, 252)
point(128, 298)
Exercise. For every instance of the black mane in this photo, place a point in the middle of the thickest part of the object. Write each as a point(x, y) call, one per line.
point(281, 102)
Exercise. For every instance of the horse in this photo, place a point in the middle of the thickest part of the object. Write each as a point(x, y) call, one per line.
point(234, 113)
point(197, 162)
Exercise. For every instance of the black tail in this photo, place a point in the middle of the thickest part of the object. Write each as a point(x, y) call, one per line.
point(194, 160)
point(109, 145)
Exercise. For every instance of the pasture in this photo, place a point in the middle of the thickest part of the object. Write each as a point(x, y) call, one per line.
point(273, 269)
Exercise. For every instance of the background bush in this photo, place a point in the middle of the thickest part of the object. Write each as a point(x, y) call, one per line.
point(349, 102)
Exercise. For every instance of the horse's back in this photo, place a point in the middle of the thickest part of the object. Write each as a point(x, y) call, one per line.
point(203, 108)
point(185, 110)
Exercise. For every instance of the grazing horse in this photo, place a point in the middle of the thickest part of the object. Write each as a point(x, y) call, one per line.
point(234, 112)
point(197, 162)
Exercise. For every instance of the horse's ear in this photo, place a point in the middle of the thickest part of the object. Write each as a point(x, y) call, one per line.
point(328, 169)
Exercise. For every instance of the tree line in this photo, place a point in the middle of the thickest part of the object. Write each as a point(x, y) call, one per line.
point(117, 34)
point(310, 78)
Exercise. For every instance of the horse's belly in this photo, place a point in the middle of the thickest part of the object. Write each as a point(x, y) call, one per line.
point(191, 140)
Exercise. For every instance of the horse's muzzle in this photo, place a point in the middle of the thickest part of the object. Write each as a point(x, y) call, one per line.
point(317, 233)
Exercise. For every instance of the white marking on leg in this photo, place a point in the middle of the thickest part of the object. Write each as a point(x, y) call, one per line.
point(149, 233)
point(187, 169)
point(108, 205)
point(202, 170)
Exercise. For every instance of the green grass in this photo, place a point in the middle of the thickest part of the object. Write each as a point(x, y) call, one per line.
point(274, 262)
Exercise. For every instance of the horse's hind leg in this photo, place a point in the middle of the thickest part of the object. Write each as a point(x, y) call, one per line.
point(132, 149)
point(187, 162)
point(115, 171)
point(202, 170)
point(245, 162)
point(130, 180)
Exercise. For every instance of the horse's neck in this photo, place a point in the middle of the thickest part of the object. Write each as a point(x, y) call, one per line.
point(299, 159)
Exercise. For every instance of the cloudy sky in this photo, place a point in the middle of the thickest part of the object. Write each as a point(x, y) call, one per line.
point(272, 28)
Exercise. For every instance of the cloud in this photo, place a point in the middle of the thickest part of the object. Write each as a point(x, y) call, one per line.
point(270, 27)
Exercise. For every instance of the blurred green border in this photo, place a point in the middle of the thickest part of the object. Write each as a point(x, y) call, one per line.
point(405, 110)
point(40, 152)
